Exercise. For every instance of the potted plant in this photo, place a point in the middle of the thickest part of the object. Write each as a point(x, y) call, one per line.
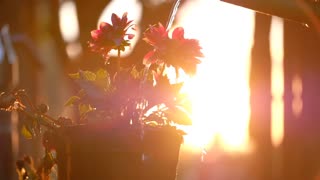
point(127, 114)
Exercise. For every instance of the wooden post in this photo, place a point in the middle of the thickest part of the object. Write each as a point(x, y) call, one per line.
point(16, 26)
point(260, 90)
point(302, 101)
point(6, 156)
point(7, 166)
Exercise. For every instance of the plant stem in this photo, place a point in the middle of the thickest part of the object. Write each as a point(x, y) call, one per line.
point(118, 61)
point(44, 121)
point(27, 98)
point(162, 69)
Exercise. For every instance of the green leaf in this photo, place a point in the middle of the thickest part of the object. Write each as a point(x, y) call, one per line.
point(26, 132)
point(75, 75)
point(85, 108)
point(101, 74)
point(103, 79)
point(178, 115)
point(81, 93)
point(152, 123)
point(72, 100)
point(87, 75)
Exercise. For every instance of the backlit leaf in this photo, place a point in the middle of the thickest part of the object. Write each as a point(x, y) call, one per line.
point(26, 132)
point(74, 75)
point(101, 74)
point(152, 123)
point(72, 100)
point(87, 75)
point(179, 116)
point(85, 108)
point(102, 79)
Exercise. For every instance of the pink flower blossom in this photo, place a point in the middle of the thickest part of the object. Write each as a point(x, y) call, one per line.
point(111, 36)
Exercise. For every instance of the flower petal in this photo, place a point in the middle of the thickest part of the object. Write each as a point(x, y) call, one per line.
point(178, 33)
point(115, 19)
point(149, 58)
point(155, 35)
point(161, 28)
point(124, 20)
point(125, 16)
point(105, 26)
point(130, 36)
point(95, 34)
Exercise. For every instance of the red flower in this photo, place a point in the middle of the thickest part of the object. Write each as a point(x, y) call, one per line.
point(177, 51)
point(109, 37)
point(155, 35)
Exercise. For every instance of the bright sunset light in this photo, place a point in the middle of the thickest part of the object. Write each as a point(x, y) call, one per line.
point(220, 90)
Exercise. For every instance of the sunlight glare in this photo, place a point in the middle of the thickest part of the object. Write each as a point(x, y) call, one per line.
point(220, 90)
point(277, 81)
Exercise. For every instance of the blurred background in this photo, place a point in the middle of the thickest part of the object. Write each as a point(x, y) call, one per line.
point(255, 97)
